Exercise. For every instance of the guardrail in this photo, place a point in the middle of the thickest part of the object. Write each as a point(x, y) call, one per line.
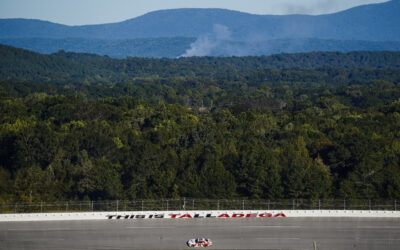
point(196, 204)
point(195, 215)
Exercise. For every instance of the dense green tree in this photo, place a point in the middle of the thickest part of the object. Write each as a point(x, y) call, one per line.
point(315, 126)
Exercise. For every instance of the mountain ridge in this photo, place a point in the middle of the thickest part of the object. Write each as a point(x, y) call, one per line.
point(177, 46)
point(189, 22)
point(215, 32)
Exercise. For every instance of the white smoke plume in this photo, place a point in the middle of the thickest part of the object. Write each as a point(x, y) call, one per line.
point(205, 44)
point(221, 43)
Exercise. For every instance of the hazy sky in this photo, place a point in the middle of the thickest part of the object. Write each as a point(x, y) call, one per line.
point(79, 12)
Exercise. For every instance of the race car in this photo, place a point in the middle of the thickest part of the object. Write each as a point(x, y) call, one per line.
point(199, 242)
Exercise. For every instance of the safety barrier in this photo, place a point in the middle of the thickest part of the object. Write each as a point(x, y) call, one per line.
point(205, 214)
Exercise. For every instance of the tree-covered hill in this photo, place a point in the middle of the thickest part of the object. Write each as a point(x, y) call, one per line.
point(22, 65)
point(312, 125)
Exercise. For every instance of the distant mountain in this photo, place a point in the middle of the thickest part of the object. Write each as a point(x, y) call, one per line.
point(176, 46)
point(375, 22)
point(170, 33)
point(170, 47)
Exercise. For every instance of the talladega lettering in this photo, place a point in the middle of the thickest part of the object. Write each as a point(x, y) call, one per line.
point(194, 215)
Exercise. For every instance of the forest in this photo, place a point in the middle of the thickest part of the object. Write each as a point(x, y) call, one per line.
point(318, 125)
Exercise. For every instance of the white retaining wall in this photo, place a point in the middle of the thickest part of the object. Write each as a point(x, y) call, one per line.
point(188, 215)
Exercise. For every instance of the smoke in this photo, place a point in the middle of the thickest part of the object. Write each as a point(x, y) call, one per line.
point(221, 32)
point(313, 7)
point(203, 46)
point(318, 7)
point(207, 44)
point(221, 43)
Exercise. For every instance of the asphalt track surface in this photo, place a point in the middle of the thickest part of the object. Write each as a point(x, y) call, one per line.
point(252, 233)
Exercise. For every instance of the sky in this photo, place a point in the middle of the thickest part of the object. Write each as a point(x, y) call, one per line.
point(81, 12)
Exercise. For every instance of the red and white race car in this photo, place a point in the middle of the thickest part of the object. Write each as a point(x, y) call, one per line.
point(199, 242)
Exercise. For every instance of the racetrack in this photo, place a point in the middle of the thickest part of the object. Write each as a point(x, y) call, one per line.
point(250, 233)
